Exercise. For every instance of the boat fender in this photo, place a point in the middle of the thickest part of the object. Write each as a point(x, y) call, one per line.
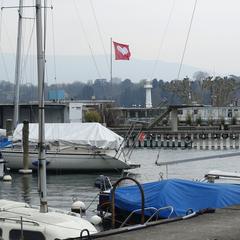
point(78, 207)
point(224, 135)
point(96, 220)
point(202, 136)
point(7, 178)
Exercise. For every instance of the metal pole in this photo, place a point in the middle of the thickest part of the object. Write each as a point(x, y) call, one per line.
point(17, 66)
point(41, 117)
point(111, 66)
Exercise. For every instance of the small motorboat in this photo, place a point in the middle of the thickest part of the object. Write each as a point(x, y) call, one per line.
point(171, 198)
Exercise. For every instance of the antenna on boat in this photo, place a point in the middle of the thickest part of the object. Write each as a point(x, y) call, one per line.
point(41, 116)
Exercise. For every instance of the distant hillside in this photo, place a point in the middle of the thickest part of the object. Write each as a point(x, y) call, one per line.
point(82, 68)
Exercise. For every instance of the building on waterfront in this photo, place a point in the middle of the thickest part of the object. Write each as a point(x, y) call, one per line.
point(205, 115)
point(74, 111)
point(55, 111)
point(210, 115)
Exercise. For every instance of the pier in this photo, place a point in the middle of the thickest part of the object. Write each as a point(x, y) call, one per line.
point(223, 224)
point(201, 140)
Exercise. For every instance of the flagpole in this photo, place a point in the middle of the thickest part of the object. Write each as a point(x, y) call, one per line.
point(111, 66)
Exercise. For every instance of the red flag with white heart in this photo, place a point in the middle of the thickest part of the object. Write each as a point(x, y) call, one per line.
point(122, 51)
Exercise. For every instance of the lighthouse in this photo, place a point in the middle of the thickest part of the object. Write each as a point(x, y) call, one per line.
point(148, 87)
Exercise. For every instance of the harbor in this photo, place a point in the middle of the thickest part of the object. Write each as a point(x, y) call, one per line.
point(132, 147)
point(64, 188)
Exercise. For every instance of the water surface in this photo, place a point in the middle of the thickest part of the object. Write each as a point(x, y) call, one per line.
point(62, 188)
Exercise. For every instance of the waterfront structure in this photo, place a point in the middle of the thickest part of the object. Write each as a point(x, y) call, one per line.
point(179, 114)
point(55, 111)
point(210, 115)
point(74, 111)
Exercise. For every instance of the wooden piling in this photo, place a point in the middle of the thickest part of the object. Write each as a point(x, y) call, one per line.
point(25, 143)
point(237, 141)
point(9, 127)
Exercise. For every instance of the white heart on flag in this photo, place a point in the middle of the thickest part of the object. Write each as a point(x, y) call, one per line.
point(122, 50)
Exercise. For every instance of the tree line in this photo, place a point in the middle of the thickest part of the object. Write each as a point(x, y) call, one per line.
point(202, 89)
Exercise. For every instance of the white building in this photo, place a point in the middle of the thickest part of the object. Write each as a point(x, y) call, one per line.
point(209, 113)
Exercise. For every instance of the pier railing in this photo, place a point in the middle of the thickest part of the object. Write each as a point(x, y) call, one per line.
point(202, 140)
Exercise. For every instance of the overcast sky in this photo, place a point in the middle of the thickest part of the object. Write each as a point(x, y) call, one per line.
point(214, 41)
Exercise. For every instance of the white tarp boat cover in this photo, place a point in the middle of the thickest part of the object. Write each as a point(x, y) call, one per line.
point(86, 134)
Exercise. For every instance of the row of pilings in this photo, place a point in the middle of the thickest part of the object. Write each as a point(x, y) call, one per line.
point(204, 140)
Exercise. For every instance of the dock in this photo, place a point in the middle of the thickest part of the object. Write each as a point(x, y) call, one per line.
point(223, 224)
point(200, 140)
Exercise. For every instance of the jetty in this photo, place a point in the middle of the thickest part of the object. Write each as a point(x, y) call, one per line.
point(223, 224)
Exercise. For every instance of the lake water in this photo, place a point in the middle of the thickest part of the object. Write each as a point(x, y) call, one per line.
point(62, 188)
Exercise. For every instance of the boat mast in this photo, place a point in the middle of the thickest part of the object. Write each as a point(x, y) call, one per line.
point(41, 117)
point(17, 66)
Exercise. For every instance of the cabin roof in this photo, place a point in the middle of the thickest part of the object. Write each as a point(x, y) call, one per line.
point(64, 225)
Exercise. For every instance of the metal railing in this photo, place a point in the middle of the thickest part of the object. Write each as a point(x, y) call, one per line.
point(151, 217)
point(113, 199)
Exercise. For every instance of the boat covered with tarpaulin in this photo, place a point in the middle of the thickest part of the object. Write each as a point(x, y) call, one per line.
point(85, 134)
point(71, 147)
point(182, 195)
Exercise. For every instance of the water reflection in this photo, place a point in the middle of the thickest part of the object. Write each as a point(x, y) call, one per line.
point(26, 187)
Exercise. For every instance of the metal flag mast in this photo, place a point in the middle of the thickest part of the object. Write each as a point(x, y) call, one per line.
point(111, 66)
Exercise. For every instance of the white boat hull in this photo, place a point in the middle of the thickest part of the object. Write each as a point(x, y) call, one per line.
point(68, 161)
point(19, 218)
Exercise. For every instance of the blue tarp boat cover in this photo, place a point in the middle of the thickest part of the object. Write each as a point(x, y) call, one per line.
point(4, 142)
point(182, 195)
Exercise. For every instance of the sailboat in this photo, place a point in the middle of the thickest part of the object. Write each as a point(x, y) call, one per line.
point(71, 147)
point(19, 220)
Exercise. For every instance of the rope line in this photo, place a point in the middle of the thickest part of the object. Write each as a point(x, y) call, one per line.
point(24, 65)
point(99, 33)
point(163, 39)
point(87, 40)
point(54, 48)
point(188, 34)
